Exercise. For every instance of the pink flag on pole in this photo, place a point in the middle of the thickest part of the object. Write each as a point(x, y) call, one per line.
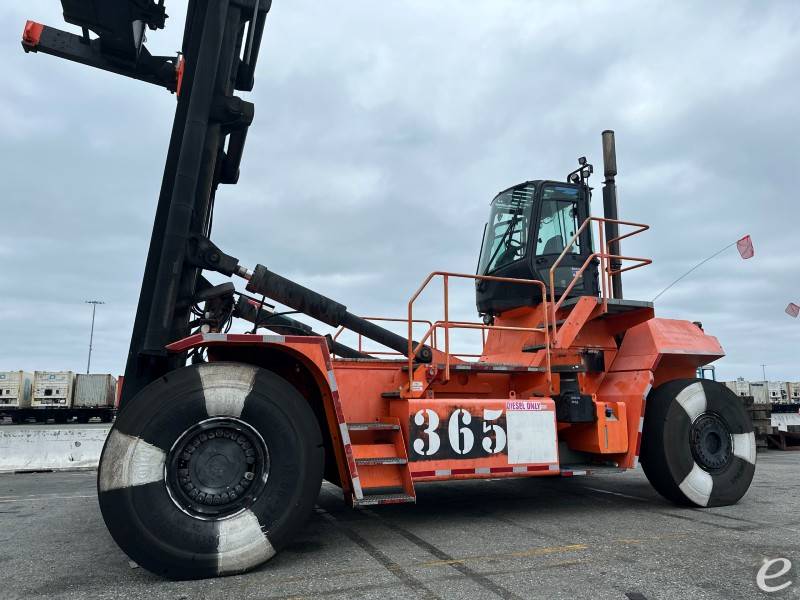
point(793, 310)
point(745, 247)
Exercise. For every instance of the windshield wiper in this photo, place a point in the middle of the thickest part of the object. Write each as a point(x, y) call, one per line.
point(511, 225)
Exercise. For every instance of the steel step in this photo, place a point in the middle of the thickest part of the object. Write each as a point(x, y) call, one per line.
point(384, 499)
point(373, 426)
point(395, 394)
point(384, 460)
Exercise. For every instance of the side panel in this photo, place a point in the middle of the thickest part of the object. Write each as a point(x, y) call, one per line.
point(646, 345)
point(468, 438)
point(629, 388)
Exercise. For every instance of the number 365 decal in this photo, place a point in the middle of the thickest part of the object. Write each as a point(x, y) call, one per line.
point(464, 435)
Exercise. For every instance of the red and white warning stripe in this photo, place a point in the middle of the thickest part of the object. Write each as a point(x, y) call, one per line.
point(641, 427)
point(344, 432)
point(482, 471)
point(575, 473)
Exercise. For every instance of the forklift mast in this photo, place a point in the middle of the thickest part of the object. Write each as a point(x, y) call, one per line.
point(218, 58)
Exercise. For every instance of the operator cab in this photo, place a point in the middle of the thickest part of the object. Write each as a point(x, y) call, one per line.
point(530, 225)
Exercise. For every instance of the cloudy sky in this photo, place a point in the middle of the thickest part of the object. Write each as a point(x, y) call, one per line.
point(382, 131)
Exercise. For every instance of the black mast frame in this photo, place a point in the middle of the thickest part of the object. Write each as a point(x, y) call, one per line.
point(220, 48)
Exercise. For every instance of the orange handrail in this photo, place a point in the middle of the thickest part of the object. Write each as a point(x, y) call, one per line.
point(446, 324)
point(605, 261)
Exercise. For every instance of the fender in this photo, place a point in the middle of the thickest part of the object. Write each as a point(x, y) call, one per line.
point(312, 355)
point(669, 348)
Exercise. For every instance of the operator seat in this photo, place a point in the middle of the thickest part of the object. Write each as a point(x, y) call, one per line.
point(555, 245)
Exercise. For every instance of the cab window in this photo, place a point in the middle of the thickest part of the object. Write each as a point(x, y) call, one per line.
point(506, 235)
point(558, 220)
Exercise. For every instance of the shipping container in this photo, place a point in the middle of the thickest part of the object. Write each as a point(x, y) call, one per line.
point(94, 391)
point(15, 389)
point(52, 389)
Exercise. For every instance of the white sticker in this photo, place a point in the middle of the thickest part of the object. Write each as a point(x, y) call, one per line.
point(531, 436)
point(416, 386)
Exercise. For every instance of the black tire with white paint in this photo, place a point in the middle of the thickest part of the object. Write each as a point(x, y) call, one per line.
point(210, 470)
point(698, 446)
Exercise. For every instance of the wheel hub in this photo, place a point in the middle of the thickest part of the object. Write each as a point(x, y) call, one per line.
point(217, 468)
point(711, 442)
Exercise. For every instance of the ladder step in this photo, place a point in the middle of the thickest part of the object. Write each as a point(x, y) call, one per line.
point(381, 460)
point(380, 450)
point(395, 394)
point(384, 499)
point(373, 426)
point(534, 348)
point(383, 490)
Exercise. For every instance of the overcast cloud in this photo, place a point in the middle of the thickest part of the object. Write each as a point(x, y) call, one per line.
point(382, 131)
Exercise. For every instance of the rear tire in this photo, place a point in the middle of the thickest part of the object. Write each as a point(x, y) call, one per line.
point(698, 445)
point(210, 470)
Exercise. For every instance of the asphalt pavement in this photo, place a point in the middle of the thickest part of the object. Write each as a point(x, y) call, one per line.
point(601, 536)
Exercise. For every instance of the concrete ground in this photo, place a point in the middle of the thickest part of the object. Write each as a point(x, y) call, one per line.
point(603, 536)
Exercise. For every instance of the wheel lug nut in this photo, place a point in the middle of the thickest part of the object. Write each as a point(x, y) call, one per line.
point(249, 475)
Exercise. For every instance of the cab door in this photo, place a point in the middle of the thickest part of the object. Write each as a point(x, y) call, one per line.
point(560, 212)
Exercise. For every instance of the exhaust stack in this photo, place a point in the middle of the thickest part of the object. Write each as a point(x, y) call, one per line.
point(610, 207)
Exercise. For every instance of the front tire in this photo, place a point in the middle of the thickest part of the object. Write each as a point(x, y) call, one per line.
point(210, 470)
point(698, 445)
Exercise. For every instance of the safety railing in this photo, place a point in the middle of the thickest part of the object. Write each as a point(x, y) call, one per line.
point(605, 257)
point(446, 324)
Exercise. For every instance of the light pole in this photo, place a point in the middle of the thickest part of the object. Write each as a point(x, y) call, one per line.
point(94, 304)
point(764, 371)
